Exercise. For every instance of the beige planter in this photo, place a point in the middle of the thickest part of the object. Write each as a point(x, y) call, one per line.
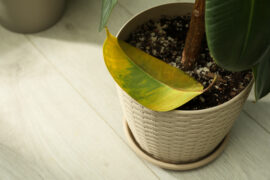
point(177, 136)
point(28, 16)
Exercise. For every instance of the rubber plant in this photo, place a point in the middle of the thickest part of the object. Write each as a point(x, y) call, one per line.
point(238, 37)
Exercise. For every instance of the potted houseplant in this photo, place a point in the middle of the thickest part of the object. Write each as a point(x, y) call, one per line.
point(29, 16)
point(151, 91)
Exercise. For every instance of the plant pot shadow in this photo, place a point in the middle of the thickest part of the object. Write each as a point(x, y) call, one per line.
point(17, 56)
point(259, 111)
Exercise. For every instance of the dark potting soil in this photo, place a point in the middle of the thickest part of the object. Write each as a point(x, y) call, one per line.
point(165, 40)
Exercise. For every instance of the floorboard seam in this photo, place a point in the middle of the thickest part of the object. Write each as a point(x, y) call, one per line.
point(259, 124)
point(86, 101)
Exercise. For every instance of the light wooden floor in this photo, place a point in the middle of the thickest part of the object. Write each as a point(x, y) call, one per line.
point(60, 118)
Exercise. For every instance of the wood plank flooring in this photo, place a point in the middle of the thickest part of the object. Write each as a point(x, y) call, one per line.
point(60, 116)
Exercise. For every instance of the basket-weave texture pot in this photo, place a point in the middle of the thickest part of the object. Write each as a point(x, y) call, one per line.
point(177, 136)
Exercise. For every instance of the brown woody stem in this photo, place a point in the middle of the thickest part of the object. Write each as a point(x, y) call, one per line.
point(218, 77)
point(195, 36)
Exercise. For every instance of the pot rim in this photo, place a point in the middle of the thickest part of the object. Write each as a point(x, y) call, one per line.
point(191, 111)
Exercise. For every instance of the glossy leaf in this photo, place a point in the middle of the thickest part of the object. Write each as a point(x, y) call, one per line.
point(150, 81)
point(107, 7)
point(238, 32)
point(262, 77)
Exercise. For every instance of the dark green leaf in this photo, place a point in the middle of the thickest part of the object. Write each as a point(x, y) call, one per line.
point(107, 7)
point(238, 32)
point(262, 77)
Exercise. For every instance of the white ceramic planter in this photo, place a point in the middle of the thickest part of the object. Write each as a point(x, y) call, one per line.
point(29, 16)
point(177, 136)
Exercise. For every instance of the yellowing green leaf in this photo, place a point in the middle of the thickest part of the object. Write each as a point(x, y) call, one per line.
point(150, 81)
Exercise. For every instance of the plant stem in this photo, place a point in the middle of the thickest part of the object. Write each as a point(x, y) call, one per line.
point(195, 36)
point(218, 77)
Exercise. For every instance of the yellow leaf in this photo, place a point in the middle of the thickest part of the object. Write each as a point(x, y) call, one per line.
point(150, 81)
